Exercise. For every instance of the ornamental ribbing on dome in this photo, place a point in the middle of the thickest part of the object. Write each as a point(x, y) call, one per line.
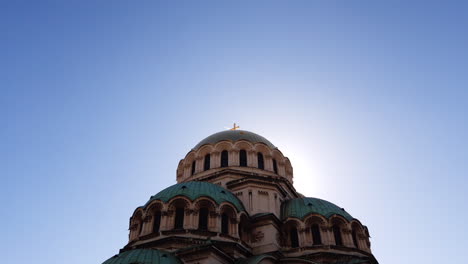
point(143, 256)
point(195, 189)
point(234, 135)
point(301, 207)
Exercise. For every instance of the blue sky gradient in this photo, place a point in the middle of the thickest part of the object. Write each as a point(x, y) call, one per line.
point(101, 99)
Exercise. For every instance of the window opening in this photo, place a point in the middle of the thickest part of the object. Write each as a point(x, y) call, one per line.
point(243, 158)
point(224, 159)
point(261, 164)
point(203, 219)
point(207, 162)
point(179, 218)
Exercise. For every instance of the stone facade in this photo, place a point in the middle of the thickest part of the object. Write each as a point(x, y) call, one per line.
point(245, 218)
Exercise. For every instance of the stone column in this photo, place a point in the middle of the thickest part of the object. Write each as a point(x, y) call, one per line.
point(133, 228)
point(308, 236)
point(302, 239)
point(362, 242)
point(215, 160)
point(199, 164)
point(187, 221)
point(187, 171)
point(166, 220)
point(211, 222)
point(268, 161)
point(346, 236)
point(252, 159)
point(327, 238)
point(233, 226)
point(216, 220)
point(193, 219)
point(147, 224)
point(281, 168)
point(233, 158)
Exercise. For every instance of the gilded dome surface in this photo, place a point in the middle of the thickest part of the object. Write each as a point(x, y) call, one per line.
point(143, 256)
point(301, 207)
point(195, 189)
point(234, 135)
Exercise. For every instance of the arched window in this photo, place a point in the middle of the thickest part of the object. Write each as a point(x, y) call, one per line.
point(355, 240)
point(294, 237)
point(224, 158)
point(243, 158)
point(193, 168)
point(179, 218)
point(337, 234)
point(224, 224)
point(203, 219)
point(261, 164)
point(207, 162)
point(275, 166)
point(156, 221)
point(316, 238)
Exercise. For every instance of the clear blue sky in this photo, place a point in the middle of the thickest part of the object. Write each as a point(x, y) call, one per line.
point(101, 99)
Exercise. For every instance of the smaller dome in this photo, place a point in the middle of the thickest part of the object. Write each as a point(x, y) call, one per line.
point(195, 189)
point(143, 256)
point(234, 135)
point(301, 207)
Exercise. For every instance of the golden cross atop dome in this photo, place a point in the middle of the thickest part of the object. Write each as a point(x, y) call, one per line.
point(234, 127)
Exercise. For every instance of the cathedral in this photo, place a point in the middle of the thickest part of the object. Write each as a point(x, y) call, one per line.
point(235, 202)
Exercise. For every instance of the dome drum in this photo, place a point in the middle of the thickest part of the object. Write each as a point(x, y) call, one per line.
point(248, 152)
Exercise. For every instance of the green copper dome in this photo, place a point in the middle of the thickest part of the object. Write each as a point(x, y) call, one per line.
point(301, 207)
point(234, 135)
point(143, 256)
point(195, 189)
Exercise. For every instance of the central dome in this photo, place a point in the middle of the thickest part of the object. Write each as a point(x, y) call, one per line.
point(234, 135)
